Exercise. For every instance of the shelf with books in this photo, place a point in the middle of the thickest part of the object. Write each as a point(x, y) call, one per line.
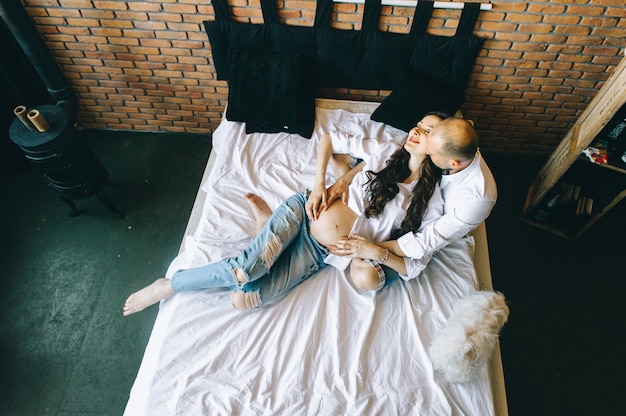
point(585, 192)
point(586, 175)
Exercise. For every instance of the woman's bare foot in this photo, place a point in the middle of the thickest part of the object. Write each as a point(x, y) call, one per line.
point(260, 210)
point(149, 295)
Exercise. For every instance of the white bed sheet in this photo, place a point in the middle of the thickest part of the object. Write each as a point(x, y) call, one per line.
point(324, 348)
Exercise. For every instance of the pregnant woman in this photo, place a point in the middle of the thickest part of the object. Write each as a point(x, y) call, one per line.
point(291, 246)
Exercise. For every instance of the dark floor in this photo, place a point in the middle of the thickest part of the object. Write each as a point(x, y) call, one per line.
point(66, 349)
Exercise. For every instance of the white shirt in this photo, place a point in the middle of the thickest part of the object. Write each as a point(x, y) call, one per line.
point(469, 196)
point(375, 154)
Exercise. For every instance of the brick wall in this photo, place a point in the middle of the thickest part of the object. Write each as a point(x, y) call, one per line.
point(146, 65)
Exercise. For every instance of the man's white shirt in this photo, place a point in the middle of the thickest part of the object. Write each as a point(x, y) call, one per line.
point(469, 196)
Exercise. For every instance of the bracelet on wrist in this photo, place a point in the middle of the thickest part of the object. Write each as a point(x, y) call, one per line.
point(385, 257)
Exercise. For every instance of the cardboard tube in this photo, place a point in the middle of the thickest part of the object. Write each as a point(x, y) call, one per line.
point(38, 121)
point(20, 112)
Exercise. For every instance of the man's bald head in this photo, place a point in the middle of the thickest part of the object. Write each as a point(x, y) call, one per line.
point(452, 142)
point(457, 137)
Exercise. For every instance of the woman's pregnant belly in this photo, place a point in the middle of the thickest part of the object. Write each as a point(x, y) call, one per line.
point(334, 223)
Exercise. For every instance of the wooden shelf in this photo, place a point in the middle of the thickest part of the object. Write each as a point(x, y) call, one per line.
point(582, 183)
point(603, 184)
point(608, 166)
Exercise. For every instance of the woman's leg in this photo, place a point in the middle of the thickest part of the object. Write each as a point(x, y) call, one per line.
point(371, 275)
point(260, 210)
point(255, 260)
point(149, 295)
point(279, 231)
point(251, 264)
point(299, 261)
point(367, 274)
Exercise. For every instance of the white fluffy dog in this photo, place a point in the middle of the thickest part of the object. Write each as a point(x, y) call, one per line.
point(468, 338)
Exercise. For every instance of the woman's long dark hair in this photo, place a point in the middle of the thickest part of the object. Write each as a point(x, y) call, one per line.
point(383, 187)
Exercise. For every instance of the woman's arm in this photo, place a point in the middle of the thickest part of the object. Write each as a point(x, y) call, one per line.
point(320, 197)
point(317, 202)
point(340, 163)
point(374, 152)
point(393, 247)
point(340, 188)
point(355, 246)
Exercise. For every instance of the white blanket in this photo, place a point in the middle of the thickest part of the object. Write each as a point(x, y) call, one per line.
point(324, 348)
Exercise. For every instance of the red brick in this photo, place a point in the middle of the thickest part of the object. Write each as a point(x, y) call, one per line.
point(584, 40)
point(185, 27)
point(169, 34)
point(131, 16)
point(618, 32)
point(513, 37)
point(119, 23)
point(63, 12)
point(49, 21)
point(560, 48)
point(80, 21)
point(585, 10)
point(573, 30)
point(540, 56)
point(523, 18)
point(144, 6)
point(543, 8)
point(149, 24)
point(123, 41)
point(618, 11)
point(180, 8)
point(110, 5)
point(53, 37)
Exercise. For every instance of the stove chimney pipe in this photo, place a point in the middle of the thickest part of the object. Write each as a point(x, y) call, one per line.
point(23, 29)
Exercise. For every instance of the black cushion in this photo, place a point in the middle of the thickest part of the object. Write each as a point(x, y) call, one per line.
point(411, 101)
point(446, 59)
point(270, 92)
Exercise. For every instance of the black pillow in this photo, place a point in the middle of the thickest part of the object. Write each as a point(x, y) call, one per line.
point(271, 93)
point(410, 102)
point(446, 59)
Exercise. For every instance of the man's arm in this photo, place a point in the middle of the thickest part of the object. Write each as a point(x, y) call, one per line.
point(434, 236)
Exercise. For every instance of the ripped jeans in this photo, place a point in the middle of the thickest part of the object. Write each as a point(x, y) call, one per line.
point(280, 257)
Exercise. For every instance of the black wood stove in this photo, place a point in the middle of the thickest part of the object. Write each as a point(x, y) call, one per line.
point(52, 144)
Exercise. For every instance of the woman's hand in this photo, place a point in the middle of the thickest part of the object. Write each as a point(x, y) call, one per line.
point(321, 198)
point(356, 246)
point(316, 203)
point(339, 190)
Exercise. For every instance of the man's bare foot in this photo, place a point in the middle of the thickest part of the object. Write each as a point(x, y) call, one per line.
point(260, 210)
point(149, 295)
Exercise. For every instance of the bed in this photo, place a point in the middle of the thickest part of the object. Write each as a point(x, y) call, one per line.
point(324, 348)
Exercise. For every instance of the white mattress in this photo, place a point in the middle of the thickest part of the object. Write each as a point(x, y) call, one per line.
point(322, 349)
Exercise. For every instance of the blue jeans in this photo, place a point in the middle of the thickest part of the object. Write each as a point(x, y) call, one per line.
point(280, 257)
point(390, 275)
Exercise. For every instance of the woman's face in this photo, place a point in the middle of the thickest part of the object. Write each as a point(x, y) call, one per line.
point(418, 136)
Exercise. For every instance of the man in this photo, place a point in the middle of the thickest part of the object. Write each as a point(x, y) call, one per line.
point(468, 188)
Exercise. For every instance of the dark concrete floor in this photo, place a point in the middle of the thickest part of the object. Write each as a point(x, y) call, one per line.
point(65, 348)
